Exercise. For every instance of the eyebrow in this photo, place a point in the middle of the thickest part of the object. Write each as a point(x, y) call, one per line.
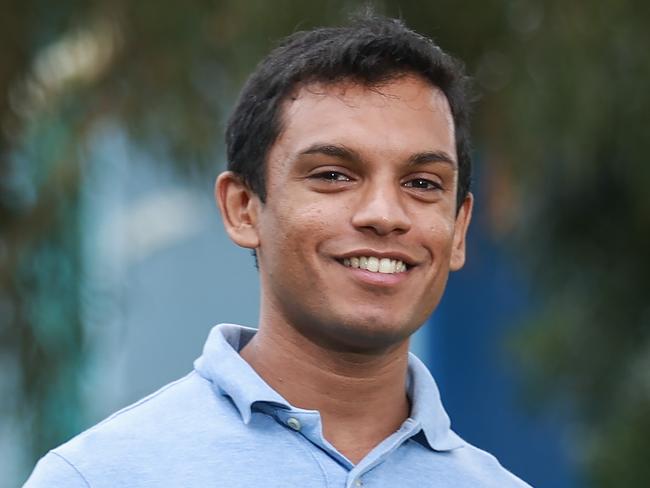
point(432, 157)
point(345, 153)
point(334, 150)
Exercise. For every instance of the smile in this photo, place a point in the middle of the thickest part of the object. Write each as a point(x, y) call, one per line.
point(376, 265)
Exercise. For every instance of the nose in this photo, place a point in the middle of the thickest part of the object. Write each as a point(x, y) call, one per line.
point(381, 210)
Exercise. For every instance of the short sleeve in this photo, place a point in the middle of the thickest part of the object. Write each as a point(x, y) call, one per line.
point(54, 470)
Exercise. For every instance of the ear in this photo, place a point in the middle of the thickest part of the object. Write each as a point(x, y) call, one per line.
point(239, 207)
point(463, 219)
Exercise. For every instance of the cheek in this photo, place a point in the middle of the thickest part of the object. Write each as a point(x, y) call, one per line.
point(294, 229)
point(440, 236)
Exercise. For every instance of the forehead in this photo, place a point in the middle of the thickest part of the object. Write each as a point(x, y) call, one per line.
point(392, 118)
point(406, 87)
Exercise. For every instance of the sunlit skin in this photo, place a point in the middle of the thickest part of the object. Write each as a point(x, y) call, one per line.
point(356, 171)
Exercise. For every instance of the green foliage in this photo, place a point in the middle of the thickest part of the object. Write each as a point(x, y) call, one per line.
point(579, 111)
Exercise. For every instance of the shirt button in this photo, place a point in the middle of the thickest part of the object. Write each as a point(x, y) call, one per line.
point(358, 482)
point(294, 423)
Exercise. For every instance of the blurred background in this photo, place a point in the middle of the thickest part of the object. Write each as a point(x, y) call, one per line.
point(114, 264)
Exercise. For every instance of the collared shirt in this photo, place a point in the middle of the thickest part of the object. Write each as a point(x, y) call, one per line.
point(222, 425)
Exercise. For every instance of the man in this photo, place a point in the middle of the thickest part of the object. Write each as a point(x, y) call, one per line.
point(349, 175)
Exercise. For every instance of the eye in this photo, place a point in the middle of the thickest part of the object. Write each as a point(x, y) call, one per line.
point(330, 176)
point(423, 184)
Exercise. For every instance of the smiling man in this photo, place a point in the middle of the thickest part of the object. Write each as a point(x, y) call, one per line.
point(348, 177)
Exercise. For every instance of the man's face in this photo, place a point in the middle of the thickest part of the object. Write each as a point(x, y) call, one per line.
point(360, 230)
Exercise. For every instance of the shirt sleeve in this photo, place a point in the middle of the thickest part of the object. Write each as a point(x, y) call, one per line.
point(55, 470)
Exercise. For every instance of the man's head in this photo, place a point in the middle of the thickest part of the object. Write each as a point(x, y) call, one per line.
point(349, 176)
point(371, 51)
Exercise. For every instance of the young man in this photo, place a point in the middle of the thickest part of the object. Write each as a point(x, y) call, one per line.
point(349, 177)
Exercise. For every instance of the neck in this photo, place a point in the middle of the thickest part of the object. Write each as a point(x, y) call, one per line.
point(361, 397)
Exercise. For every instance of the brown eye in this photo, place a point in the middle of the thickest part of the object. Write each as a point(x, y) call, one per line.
point(423, 184)
point(330, 176)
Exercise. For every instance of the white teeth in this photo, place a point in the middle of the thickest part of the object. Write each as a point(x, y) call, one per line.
point(386, 265)
point(375, 265)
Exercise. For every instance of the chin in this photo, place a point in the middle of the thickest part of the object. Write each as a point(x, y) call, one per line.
point(365, 334)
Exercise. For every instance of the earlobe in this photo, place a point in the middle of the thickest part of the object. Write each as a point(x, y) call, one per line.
point(463, 219)
point(239, 207)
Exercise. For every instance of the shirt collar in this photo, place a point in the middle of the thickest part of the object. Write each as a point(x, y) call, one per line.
point(222, 365)
point(427, 409)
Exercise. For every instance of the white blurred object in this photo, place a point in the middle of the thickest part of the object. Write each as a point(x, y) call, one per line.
point(155, 221)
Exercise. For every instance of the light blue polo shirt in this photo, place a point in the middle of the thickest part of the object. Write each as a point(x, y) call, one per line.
point(223, 426)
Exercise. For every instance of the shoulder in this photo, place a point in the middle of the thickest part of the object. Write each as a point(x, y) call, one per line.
point(167, 427)
point(483, 467)
point(55, 470)
point(183, 404)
